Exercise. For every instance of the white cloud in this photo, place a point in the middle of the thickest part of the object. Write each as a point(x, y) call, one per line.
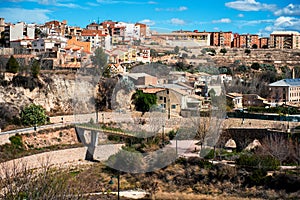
point(92, 4)
point(148, 22)
point(19, 14)
point(152, 2)
point(250, 5)
point(58, 3)
point(176, 21)
point(291, 9)
point(241, 15)
point(223, 20)
point(286, 22)
point(283, 23)
point(181, 8)
point(123, 2)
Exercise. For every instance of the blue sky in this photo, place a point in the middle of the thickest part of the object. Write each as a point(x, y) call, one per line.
point(241, 16)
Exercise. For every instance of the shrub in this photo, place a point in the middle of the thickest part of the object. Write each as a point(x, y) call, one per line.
point(33, 115)
point(16, 142)
point(258, 177)
point(258, 161)
point(209, 153)
point(172, 134)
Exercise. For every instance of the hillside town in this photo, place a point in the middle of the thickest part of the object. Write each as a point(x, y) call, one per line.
point(204, 114)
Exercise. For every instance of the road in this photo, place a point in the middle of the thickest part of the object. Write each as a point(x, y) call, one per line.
point(4, 136)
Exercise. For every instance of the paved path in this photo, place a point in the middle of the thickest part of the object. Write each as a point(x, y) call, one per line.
point(64, 157)
point(186, 148)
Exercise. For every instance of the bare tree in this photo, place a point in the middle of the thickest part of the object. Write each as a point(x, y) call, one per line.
point(276, 146)
point(202, 126)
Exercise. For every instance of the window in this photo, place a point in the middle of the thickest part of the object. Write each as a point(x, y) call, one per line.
point(173, 106)
point(161, 98)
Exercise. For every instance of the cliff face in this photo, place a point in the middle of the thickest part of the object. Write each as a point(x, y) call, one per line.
point(57, 93)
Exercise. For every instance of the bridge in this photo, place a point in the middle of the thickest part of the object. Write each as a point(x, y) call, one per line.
point(90, 134)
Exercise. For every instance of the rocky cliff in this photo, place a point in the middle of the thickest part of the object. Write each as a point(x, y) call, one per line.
point(58, 93)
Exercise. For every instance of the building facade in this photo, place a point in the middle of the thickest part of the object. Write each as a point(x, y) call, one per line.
point(285, 90)
point(285, 40)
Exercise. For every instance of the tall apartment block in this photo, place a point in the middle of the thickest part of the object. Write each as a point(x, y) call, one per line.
point(19, 31)
point(2, 25)
point(221, 38)
point(245, 41)
point(285, 40)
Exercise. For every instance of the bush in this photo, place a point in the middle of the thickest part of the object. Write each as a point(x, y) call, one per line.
point(258, 161)
point(208, 153)
point(16, 142)
point(258, 177)
point(255, 66)
point(33, 115)
point(289, 183)
point(172, 134)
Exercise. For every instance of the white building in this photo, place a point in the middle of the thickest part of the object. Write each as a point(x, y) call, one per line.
point(19, 31)
point(43, 45)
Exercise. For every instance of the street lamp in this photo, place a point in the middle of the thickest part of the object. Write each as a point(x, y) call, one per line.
point(111, 182)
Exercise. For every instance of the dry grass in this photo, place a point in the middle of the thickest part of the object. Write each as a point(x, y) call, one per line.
point(184, 196)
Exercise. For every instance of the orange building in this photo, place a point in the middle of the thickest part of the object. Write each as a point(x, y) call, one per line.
point(245, 41)
point(85, 45)
point(221, 38)
point(143, 29)
point(264, 42)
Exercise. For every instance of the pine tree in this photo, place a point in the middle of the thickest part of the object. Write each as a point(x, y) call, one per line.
point(12, 65)
point(35, 68)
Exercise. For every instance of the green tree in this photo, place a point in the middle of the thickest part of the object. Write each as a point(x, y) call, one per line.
point(99, 59)
point(153, 53)
point(176, 50)
point(12, 65)
point(143, 102)
point(212, 92)
point(33, 115)
point(223, 51)
point(35, 68)
point(247, 51)
point(225, 70)
point(255, 66)
point(184, 55)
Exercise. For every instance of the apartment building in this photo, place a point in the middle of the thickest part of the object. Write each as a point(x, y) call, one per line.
point(17, 32)
point(263, 42)
point(97, 38)
point(2, 25)
point(55, 27)
point(74, 31)
point(222, 39)
point(183, 38)
point(48, 44)
point(246, 41)
point(143, 30)
point(285, 40)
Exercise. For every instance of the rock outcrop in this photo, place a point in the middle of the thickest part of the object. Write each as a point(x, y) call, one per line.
point(57, 93)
